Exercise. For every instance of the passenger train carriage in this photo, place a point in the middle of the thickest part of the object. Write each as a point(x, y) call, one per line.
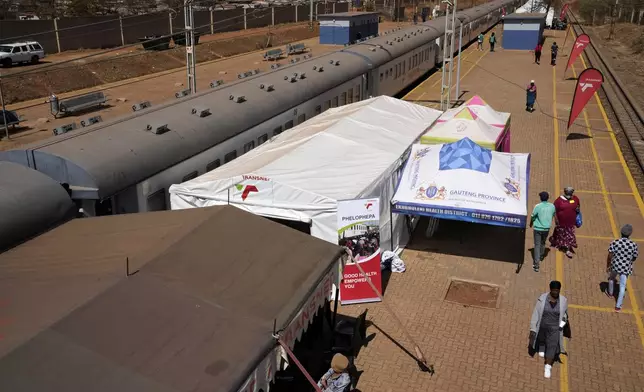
point(127, 165)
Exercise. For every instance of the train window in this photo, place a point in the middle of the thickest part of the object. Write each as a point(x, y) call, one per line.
point(230, 156)
point(262, 139)
point(357, 96)
point(404, 67)
point(318, 110)
point(190, 176)
point(381, 76)
point(335, 102)
point(301, 118)
point(386, 74)
point(249, 146)
point(156, 201)
point(409, 64)
point(350, 96)
point(327, 105)
point(391, 72)
point(288, 125)
point(343, 99)
point(213, 165)
point(277, 131)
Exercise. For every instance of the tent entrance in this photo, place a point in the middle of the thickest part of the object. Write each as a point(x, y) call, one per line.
point(304, 227)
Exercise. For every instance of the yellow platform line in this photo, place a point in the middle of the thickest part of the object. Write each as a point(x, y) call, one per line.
point(598, 309)
point(603, 238)
point(559, 272)
point(638, 200)
point(610, 193)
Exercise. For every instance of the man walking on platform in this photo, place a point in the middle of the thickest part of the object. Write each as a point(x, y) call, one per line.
point(537, 53)
point(541, 220)
point(492, 42)
point(479, 44)
point(621, 256)
point(531, 96)
point(554, 49)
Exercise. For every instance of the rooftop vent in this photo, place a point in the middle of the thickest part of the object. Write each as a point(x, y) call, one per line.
point(64, 129)
point(159, 129)
point(241, 75)
point(238, 99)
point(319, 69)
point(308, 56)
point(91, 121)
point(216, 83)
point(276, 65)
point(372, 49)
point(303, 75)
point(267, 87)
point(201, 112)
point(183, 93)
point(295, 60)
point(391, 43)
point(141, 106)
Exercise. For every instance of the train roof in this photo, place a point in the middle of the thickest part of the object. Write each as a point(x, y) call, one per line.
point(30, 203)
point(107, 158)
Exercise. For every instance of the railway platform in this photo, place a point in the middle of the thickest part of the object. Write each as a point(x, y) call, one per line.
point(475, 348)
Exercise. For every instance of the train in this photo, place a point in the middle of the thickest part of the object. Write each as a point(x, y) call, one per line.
point(127, 165)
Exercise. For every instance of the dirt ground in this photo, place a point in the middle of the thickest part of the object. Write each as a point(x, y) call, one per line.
point(155, 85)
point(625, 53)
point(61, 75)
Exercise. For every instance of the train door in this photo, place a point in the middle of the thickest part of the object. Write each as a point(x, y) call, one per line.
point(366, 86)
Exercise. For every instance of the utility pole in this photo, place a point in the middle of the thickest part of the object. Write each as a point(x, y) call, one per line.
point(613, 16)
point(458, 65)
point(191, 65)
point(448, 54)
point(4, 111)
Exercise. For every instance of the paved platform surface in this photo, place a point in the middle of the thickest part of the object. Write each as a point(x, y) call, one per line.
point(476, 349)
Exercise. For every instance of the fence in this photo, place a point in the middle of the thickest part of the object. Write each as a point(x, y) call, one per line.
point(103, 32)
point(623, 14)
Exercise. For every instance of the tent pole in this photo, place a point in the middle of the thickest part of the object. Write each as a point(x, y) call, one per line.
point(391, 226)
point(335, 313)
point(297, 363)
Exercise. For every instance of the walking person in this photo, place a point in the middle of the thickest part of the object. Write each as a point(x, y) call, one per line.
point(479, 42)
point(567, 206)
point(541, 220)
point(531, 96)
point(554, 49)
point(622, 253)
point(492, 42)
point(549, 317)
point(537, 53)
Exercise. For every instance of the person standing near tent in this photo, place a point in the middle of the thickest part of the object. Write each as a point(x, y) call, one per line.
point(337, 378)
point(479, 42)
point(549, 319)
point(567, 206)
point(531, 96)
point(492, 42)
point(541, 220)
point(622, 253)
point(537, 53)
point(554, 49)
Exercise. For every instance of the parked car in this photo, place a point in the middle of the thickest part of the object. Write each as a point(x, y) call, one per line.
point(21, 52)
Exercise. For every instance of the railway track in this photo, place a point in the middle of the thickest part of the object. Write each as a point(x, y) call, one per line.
point(625, 116)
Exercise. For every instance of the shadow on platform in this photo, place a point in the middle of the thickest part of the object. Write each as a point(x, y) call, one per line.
point(472, 240)
point(577, 136)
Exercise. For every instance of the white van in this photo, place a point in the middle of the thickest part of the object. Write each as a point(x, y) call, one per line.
point(21, 52)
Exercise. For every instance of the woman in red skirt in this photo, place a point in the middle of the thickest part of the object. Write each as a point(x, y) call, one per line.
point(566, 208)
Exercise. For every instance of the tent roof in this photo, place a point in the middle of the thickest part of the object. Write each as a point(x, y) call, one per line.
point(464, 124)
point(196, 317)
point(336, 154)
point(478, 108)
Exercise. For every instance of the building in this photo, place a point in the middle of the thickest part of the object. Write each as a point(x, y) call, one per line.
point(523, 31)
point(347, 27)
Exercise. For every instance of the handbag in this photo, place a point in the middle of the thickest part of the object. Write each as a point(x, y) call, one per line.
point(567, 333)
point(579, 220)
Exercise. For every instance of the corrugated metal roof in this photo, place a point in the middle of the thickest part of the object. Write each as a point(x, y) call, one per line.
point(30, 203)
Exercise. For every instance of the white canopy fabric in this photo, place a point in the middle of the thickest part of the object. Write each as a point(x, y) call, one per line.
point(462, 125)
point(463, 181)
point(350, 152)
point(537, 6)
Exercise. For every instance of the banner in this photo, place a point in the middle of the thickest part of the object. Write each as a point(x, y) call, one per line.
point(564, 10)
point(588, 82)
point(580, 44)
point(359, 232)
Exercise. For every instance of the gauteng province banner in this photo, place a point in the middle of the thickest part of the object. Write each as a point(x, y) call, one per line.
point(564, 10)
point(580, 44)
point(588, 82)
point(359, 232)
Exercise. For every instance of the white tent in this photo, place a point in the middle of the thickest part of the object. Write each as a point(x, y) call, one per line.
point(537, 6)
point(464, 181)
point(351, 152)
